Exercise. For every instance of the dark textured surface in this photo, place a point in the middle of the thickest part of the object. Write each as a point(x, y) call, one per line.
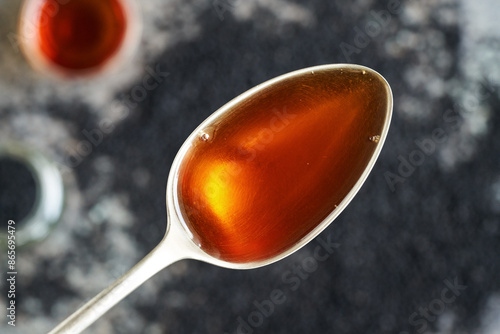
point(399, 246)
point(18, 190)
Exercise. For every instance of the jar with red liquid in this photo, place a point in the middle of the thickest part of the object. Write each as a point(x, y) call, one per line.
point(78, 38)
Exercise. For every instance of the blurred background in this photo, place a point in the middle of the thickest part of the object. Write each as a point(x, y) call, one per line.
point(417, 250)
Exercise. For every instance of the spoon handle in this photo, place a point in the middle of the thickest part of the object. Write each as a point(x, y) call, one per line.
point(159, 258)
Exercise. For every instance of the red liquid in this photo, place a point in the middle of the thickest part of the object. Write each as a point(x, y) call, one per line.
point(269, 173)
point(81, 34)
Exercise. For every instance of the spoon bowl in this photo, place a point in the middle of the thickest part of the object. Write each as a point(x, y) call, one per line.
point(265, 174)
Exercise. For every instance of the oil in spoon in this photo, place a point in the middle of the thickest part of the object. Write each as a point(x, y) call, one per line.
point(259, 180)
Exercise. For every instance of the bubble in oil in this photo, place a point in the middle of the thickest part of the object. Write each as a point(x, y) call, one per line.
point(205, 137)
point(375, 139)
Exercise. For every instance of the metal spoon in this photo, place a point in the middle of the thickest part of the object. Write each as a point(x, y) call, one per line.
point(361, 99)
